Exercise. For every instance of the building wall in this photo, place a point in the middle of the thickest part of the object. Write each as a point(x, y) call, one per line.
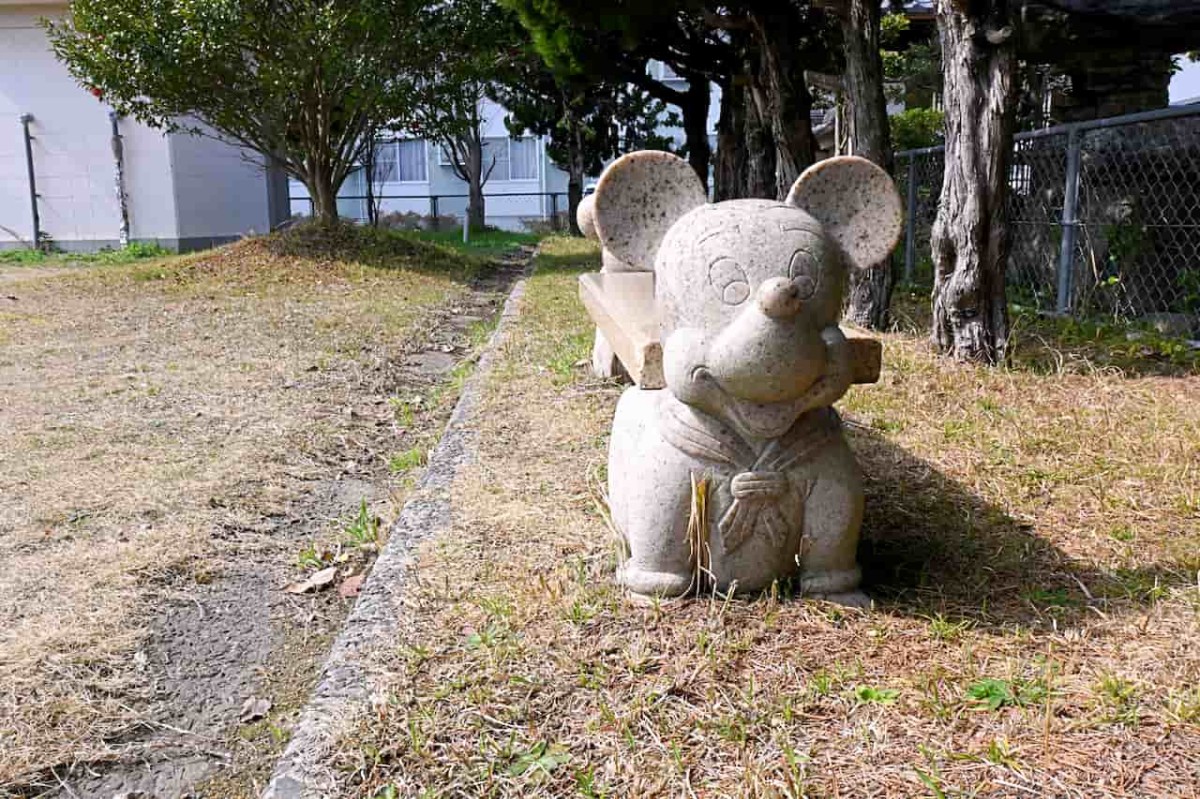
point(72, 147)
point(149, 197)
point(179, 190)
point(220, 193)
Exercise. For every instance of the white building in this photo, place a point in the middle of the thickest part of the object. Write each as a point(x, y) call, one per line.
point(183, 192)
point(416, 176)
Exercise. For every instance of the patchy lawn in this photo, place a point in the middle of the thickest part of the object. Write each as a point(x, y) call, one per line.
point(182, 438)
point(1032, 540)
point(490, 243)
point(126, 255)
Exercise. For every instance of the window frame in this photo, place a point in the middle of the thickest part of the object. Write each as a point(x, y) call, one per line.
point(424, 160)
point(537, 160)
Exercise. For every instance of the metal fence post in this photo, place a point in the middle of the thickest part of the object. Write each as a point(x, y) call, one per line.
point(433, 211)
point(554, 211)
point(910, 223)
point(1066, 254)
point(33, 195)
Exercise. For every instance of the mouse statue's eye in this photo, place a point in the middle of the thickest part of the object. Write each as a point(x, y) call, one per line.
point(804, 271)
point(729, 281)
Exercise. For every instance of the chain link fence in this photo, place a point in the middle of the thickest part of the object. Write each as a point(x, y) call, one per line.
point(1104, 218)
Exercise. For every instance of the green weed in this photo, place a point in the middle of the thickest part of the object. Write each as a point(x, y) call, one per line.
point(870, 695)
point(363, 530)
point(942, 629)
point(990, 693)
point(311, 558)
point(1118, 696)
point(540, 759)
point(411, 458)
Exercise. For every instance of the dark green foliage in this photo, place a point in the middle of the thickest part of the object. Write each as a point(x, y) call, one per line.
point(300, 82)
point(917, 127)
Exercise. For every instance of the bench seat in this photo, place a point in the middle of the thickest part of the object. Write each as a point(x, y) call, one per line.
point(622, 306)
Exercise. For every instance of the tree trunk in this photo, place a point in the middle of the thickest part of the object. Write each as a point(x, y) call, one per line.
point(476, 212)
point(870, 289)
point(761, 155)
point(970, 236)
point(697, 100)
point(369, 173)
point(575, 169)
point(324, 197)
point(781, 94)
point(729, 173)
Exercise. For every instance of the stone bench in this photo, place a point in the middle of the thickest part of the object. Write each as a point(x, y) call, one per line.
point(622, 306)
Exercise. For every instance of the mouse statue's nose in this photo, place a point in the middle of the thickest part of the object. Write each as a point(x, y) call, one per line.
point(779, 298)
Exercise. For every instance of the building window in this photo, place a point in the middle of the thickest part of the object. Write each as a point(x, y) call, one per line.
point(503, 159)
point(411, 163)
point(523, 158)
point(385, 162)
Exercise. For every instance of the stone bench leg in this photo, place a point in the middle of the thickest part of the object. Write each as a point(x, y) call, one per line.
point(605, 363)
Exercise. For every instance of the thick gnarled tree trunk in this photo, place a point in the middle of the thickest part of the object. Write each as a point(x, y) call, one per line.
point(693, 104)
point(761, 154)
point(695, 126)
point(970, 236)
point(729, 171)
point(781, 95)
point(870, 292)
point(745, 162)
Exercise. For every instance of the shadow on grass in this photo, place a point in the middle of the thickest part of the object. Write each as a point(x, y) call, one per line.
point(931, 546)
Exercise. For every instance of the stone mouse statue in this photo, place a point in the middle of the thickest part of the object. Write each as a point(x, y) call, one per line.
point(738, 473)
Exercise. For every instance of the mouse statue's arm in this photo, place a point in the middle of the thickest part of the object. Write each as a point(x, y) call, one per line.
point(839, 375)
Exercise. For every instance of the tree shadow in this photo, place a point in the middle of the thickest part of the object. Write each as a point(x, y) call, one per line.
point(932, 547)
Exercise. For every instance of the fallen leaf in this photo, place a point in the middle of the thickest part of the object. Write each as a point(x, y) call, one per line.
point(315, 581)
point(254, 709)
point(351, 586)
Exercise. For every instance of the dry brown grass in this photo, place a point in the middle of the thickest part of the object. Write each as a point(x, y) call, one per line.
point(153, 418)
point(1032, 539)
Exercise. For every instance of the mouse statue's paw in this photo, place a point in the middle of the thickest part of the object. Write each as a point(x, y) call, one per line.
point(647, 584)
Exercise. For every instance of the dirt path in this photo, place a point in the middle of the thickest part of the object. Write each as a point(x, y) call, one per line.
point(177, 449)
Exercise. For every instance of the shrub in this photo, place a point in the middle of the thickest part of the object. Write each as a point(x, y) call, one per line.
point(917, 127)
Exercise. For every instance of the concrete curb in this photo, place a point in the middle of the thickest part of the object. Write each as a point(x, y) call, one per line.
point(349, 678)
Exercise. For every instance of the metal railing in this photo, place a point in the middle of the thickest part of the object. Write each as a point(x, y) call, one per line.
point(445, 210)
point(1104, 216)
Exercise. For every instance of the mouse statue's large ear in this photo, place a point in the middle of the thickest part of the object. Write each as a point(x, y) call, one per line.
point(638, 198)
point(585, 218)
point(857, 204)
